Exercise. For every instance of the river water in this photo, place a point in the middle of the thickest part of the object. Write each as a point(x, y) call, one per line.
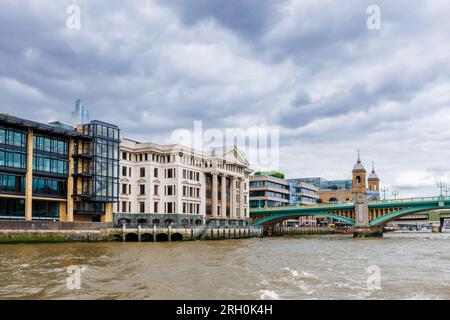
point(410, 265)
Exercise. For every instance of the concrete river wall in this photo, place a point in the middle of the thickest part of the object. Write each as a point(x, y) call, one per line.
point(46, 232)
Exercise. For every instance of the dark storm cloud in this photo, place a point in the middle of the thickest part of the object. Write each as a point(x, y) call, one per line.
point(248, 18)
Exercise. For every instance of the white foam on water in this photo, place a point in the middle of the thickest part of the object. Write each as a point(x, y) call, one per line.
point(309, 275)
point(293, 273)
point(268, 295)
point(423, 296)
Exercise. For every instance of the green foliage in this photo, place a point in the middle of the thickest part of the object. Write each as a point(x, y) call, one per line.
point(275, 174)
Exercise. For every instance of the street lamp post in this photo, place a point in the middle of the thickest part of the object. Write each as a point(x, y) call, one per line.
point(395, 194)
point(384, 189)
point(441, 186)
point(339, 195)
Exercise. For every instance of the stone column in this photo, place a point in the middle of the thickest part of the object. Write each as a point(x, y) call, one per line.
point(435, 226)
point(362, 219)
point(223, 206)
point(214, 212)
point(241, 199)
point(233, 198)
point(178, 189)
point(29, 178)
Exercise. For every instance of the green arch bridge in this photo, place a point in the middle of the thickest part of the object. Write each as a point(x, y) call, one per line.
point(380, 212)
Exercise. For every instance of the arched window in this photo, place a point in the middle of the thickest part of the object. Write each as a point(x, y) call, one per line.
point(358, 180)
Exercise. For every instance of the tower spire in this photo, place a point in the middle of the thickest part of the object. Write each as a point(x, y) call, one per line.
point(373, 167)
point(359, 156)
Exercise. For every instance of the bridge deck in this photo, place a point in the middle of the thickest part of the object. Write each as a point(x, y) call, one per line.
point(380, 212)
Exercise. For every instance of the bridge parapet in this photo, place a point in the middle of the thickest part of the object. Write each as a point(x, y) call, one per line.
point(322, 206)
point(410, 200)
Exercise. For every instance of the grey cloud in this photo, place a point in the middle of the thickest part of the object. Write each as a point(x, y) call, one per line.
point(249, 18)
point(312, 69)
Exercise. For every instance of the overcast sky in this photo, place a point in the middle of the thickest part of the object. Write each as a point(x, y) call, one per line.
point(310, 68)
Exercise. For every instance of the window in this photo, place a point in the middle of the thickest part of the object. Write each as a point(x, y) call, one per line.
point(170, 173)
point(124, 206)
point(155, 172)
point(124, 155)
point(45, 210)
point(142, 189)
point(156, 190)
point(12, 208)
point(170, 190)
point(13, 138)
point(142, 172)
point(155, 207)
point(52, 187)
point(12, 183)
point(50, 145)
point(142, 207)
point(12, 159)
point(124, 171)
point(124, 188)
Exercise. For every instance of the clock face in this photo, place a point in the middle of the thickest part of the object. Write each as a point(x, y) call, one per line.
point(360, 198)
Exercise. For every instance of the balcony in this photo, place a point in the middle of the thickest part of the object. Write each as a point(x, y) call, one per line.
point(84, 173)
point(87, 213)
point(82, 196)
point(87, 154)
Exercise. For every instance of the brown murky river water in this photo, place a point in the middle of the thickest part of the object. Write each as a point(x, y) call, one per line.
point(411, 266)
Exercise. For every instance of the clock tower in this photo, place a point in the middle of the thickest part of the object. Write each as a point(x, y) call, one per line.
point(359, 195)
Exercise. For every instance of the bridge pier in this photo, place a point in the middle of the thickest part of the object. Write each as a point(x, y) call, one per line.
point(436, 226)
point(368, 231)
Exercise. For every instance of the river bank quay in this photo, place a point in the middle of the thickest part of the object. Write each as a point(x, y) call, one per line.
point(56, 232)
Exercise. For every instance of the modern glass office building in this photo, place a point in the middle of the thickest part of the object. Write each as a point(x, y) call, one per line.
point(324, 184)
point(302, 193)
point(268, 191)
point(57, 172)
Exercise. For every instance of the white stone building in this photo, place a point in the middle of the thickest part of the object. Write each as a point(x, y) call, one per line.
point(163, 184)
